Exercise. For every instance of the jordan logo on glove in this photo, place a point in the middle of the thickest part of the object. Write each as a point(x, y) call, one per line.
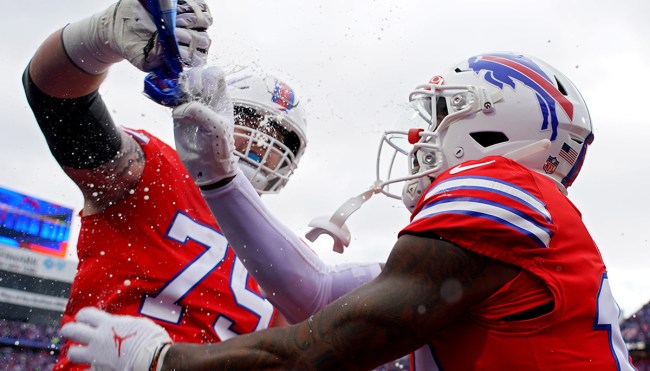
point(119, 339)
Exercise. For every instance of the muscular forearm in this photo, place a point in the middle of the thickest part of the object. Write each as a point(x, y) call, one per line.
point(425, 286)
point(362, 330)
point(300, 283)
point(272, 352)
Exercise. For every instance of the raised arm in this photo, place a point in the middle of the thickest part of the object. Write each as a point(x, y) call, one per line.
point(291, 275)
point(61, 84)
point(81, 135)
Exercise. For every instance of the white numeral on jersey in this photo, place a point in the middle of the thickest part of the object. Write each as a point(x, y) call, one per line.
point(247, 299)
point(607, 320)
point(164, 306)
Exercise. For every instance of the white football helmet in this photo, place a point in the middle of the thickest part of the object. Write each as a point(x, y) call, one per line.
point(504, 104)
point(270, 129)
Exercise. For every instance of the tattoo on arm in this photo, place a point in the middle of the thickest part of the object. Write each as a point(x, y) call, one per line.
point(129, 157)
point(108, 183)
point(426, 284)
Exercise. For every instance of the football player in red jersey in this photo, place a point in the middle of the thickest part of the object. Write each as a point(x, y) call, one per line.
point(148, 243)
point(495, 271)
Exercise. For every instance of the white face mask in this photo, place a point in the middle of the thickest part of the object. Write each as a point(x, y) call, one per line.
point(266, 161)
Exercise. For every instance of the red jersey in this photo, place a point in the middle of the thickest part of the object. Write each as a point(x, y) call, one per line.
point(159, 253)
point(500, 209)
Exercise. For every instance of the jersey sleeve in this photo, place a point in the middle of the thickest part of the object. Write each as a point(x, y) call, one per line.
point(491, 206)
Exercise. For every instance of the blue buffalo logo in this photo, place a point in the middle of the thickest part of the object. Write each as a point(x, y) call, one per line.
point(503, 69)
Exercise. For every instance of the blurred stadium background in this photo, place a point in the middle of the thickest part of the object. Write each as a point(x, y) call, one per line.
point(35, 281)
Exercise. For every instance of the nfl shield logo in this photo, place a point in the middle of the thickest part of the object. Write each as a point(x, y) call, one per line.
point(551, 164)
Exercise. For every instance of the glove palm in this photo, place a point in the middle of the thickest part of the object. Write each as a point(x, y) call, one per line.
point(203, 128)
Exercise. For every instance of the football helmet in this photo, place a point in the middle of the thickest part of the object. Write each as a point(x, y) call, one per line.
point(505, 104)
point(270, 129)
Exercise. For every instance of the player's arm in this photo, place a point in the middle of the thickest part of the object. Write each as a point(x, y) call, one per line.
point(291, 275)
point(294, 278)
point(62, 80)
point(97, 156)
point(426, 284)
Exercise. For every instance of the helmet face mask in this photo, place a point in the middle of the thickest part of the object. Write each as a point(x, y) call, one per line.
point(269, 130)
point(263, 155)
point(497, 104)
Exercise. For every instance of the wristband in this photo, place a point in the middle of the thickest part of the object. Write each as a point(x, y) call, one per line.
point(157, 361)
point(86, 46)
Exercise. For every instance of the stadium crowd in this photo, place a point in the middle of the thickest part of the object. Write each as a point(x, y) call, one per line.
point(636, 332)
point(636, 329)
point(27, 359)
point(27, 346)
point(43, 336)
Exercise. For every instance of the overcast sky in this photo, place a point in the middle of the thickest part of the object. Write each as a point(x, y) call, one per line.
point(353, 64)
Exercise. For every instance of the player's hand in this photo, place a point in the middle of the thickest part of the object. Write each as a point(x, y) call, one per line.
point(114, 343)
point(203, 128)
point(126, 31)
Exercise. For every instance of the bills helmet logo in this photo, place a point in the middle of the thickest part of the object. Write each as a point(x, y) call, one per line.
point(283, 95)
point(503, 69)
point(551, 164)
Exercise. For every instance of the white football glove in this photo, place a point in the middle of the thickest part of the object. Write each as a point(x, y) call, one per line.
point(126, 31)
point(115, 343)
point(203, 128)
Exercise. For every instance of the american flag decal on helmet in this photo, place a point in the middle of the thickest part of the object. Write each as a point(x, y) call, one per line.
point(568, 153)
point(283, 95)
point(504, 68)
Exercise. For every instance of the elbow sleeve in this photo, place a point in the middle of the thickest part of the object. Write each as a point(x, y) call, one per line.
point(79, 131)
